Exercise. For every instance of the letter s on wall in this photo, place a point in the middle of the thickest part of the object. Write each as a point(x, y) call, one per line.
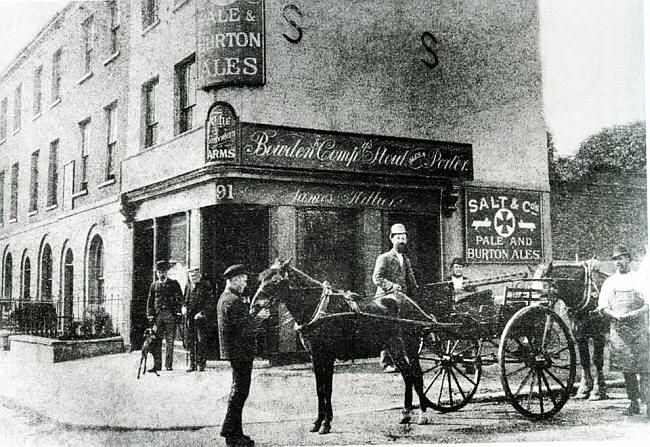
point(428, 40)
point(292, 23)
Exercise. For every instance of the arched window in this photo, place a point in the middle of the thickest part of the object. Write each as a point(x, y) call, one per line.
point(8, 274)
point(46, 274)
point(27, 279)
point(68, 285)
point(96, 271)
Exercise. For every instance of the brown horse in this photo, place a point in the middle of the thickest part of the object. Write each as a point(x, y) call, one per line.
point(334, 326)
point(580, 295)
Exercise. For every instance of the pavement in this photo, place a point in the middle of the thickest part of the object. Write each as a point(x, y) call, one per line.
point(104, 393)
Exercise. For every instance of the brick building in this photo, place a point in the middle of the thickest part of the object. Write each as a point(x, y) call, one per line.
point(325, 124)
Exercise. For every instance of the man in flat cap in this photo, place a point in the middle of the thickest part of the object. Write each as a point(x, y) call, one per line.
point(393, 273)
point(622, 301)
point(163, 303)
point(237, 344)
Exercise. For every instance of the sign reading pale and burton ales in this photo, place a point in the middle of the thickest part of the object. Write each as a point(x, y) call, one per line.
point(275, 146)
point(503, 226)
point(230, 42)
point(221, 133)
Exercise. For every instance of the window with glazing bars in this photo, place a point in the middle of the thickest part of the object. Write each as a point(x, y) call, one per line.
point(38, 76)
point(18, 106)
point(84, 141)
point(2, 197)
point(33, 183)
point(115, 26)
point(3, 119)
point(53, 174)
point(149, 12)
point(13, 209)
point(111, 140)
point(56, 75)
point(88, 41)
point(186, 97)
point(149, 104)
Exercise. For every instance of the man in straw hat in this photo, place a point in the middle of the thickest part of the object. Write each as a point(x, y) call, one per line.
point(393, 273)
point(622, 301)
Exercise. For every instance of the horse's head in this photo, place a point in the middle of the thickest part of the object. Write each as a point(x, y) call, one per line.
point(273, 286)
point(577, 283)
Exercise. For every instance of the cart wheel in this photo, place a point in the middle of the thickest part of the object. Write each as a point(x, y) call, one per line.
point(538, 362)
point(451, 369)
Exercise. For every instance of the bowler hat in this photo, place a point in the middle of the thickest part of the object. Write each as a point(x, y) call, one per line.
point(162, 266)
point(621, 250)
point(397, 228)
point(458, 261)
point(234, 270)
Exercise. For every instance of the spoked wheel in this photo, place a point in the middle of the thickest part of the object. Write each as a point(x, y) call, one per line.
point(452, 370)
point(538, 363)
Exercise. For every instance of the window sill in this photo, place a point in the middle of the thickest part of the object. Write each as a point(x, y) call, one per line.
point(106, 183)
point(37, 116)
point(111, 58)
point(83, 192)
point(15, 131)
point(52, 207)
point(14, 220)
point(85, 78)
point(3, 140)
point(179, 5)
point(32, 213)
point(150, 27)
point(56, 102)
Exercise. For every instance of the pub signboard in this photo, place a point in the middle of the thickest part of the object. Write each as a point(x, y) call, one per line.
point(221, 132)
point(230, 42)
point(502, 226)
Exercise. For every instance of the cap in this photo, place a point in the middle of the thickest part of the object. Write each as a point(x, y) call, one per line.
point(458, 261)
point(620, 250)
point(162, 266)
point(397, 228)
point(234, 270)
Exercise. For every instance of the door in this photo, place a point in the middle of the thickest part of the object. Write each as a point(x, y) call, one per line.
point(143, 248)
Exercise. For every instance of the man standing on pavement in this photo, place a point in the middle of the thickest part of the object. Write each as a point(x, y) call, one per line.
point(237, 344)
point(621, 300)
point(393, 273)
point(163, 303)
point(200, 310)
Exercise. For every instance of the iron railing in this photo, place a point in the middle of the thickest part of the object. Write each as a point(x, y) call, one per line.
point(70, 318)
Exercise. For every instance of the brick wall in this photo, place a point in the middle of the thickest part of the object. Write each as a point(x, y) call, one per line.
point(589, 218)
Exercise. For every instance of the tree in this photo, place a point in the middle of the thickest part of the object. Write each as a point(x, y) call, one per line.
point(619, 149)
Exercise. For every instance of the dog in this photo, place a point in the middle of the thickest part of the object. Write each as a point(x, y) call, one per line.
point(147, 347)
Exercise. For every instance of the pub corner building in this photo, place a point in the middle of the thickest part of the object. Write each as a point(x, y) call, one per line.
point(214, 132)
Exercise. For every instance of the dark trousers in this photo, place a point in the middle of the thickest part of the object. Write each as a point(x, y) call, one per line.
point(241, 383)
point(196, 339)
point(632, 386)
point(166, 327)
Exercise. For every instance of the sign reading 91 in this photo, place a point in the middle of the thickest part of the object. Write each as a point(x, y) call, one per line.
point(502, 226)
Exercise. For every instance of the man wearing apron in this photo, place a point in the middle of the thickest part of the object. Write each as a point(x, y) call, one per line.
point(622, 301)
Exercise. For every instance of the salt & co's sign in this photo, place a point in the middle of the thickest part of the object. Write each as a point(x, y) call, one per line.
point(503, 226)
point(230, 42)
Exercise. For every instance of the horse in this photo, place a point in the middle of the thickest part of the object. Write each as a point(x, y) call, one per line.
point(580, 295)
point(332, 325)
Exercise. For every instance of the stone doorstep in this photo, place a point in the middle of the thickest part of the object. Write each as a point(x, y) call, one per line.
point(50, 350)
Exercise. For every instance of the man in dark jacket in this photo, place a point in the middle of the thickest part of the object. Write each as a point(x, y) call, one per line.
point(393, 273)
point(237, 344)
point(200, 310)
point(163, 303)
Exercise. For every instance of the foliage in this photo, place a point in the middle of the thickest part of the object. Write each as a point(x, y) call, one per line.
point(617, 150)
point(96, 322)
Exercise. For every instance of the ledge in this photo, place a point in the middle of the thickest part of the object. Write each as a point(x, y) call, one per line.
point(152, 26)
point(52, 207)
point(56, 102)
point(3, 140)
point(106, 183)
point(83, 192)
point(179, 5)
point(112, 57)
point(85, 77)
point(37, 116)
point(14, 220)
point(15, 131)
point(32, 213)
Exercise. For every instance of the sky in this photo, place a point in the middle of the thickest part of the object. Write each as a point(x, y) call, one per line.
point(592, 60)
